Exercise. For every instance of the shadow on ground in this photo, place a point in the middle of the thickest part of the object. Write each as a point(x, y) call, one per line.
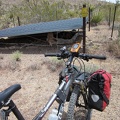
point(30, 49)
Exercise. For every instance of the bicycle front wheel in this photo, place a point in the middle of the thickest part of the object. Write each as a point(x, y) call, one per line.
point(2, 115)
point(74, 112)
point(72, 104)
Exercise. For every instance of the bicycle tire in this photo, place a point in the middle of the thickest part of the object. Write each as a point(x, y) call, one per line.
point(72, 104)
point(81, 113)
point(2, 115)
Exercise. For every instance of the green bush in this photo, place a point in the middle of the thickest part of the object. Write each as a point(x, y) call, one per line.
point(16, 55)
point(97, 18)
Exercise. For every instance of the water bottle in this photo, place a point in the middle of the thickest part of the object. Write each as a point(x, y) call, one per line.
point(53, 115)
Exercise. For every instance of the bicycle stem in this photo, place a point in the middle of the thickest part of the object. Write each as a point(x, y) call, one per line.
point(68, 63)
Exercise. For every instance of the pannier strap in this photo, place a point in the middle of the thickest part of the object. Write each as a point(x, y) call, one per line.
point(104, 97)
point(101, 89)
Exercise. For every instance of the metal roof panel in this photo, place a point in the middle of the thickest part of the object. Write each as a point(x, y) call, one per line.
point(42, 27)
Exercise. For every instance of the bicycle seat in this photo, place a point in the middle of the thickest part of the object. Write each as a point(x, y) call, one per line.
point(7, 93)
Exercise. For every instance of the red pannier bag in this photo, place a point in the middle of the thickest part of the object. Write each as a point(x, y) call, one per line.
point(99, 88)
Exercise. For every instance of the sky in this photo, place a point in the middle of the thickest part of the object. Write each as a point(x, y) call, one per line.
point(113, 1)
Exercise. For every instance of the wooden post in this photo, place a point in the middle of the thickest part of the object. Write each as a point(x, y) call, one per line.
point(89, 18)
point(113, 20)
point(109, 16)
point(84, 32)
point(13, 21)
point(18, 20)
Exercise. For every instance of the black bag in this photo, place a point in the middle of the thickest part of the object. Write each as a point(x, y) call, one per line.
point(99, 90)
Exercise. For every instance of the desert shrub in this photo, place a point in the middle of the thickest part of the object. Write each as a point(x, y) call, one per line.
point(118, 13)
point(12, 65)
point(92, 7)
point(53, 64)
point(96, 18)
point(16, 55)
point(34, 66)
point(119, 31)
point(9, 65)
point(0, 65)
point(114, 47)
point(1, 57)
point(90, 68)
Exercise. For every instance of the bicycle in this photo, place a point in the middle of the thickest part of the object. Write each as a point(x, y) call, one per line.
point(72, 85)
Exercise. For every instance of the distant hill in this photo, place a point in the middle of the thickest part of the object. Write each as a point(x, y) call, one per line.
point(11, 1)
point(20, 12)
point(94, 2)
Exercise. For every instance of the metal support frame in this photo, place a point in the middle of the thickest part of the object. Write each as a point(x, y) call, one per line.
point(113, 20)
point(89, 18)
point(84, 32)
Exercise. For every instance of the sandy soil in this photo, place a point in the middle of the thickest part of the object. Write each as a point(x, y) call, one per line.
point(38, 82)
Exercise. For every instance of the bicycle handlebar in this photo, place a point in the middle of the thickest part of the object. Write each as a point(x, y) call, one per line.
point(83, 56)
point(87, 57)
point(53, 54)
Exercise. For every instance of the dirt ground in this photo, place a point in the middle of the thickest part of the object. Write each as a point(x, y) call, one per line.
point(38, 82)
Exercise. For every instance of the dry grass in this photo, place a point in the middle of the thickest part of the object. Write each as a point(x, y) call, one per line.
point(9, 65)
point(114, 48)
point(53, 64)
point(34, 66)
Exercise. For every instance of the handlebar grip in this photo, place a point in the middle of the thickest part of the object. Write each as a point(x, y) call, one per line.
point(52, 54)
point(98, 57)
point(87, 57)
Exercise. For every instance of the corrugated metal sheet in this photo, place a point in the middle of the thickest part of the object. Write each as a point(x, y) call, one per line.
point(43, 27)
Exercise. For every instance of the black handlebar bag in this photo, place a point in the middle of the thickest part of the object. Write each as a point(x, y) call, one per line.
point(99, 86)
